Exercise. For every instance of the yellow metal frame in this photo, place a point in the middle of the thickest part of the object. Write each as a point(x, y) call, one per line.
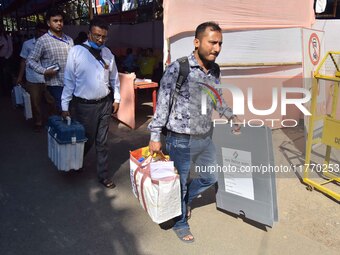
point(310, 141)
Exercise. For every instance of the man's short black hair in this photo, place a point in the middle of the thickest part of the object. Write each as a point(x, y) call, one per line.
point(202, 27)
point(54, 12)
point(97, 22)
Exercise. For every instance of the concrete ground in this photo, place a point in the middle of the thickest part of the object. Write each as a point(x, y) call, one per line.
point(44, 211)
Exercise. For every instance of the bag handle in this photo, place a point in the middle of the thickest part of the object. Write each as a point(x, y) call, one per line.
point(162, 156)
point(68, 120)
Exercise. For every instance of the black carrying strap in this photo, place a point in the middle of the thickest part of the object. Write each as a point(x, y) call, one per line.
point(184, 69)
point(183, 72)
point(96, 54)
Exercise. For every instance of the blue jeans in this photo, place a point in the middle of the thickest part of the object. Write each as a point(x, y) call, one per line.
point(184, 151)
point(56, 92)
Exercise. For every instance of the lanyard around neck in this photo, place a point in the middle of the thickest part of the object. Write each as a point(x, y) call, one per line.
point(64, 39)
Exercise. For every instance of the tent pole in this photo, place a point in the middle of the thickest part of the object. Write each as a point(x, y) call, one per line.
point(90, 10)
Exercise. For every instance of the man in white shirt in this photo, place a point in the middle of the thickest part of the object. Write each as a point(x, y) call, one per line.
point(35, 82)
point(91, 82)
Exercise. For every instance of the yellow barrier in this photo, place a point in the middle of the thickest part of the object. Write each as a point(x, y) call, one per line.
point(331, 134)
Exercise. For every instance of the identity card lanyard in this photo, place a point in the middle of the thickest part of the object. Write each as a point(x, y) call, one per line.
point(65, 40)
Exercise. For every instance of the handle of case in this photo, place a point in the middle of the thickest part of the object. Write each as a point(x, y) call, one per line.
point(68, 119)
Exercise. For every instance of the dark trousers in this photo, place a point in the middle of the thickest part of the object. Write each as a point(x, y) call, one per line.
point(38, 93)
point(96, 120)
point(5, 77)
point(56, 92)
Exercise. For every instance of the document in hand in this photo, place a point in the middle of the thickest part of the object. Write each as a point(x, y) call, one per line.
point(54, 67)
point(162, 169)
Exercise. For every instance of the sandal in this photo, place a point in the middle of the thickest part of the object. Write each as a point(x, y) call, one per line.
point(184, 233)
point(109, 184)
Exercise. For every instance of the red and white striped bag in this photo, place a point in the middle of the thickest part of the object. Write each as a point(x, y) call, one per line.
point(161, 198)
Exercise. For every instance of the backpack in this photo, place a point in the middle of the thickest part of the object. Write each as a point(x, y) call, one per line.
point(184, 70)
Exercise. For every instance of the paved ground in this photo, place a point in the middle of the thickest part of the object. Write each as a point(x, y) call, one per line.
point(43, 211)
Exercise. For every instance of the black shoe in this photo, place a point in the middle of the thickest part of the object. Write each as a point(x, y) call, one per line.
point(107, 183)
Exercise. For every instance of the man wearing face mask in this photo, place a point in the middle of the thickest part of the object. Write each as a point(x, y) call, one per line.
point(91, 82)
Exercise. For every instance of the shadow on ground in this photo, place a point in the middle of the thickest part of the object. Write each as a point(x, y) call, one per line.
point(45, 211)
